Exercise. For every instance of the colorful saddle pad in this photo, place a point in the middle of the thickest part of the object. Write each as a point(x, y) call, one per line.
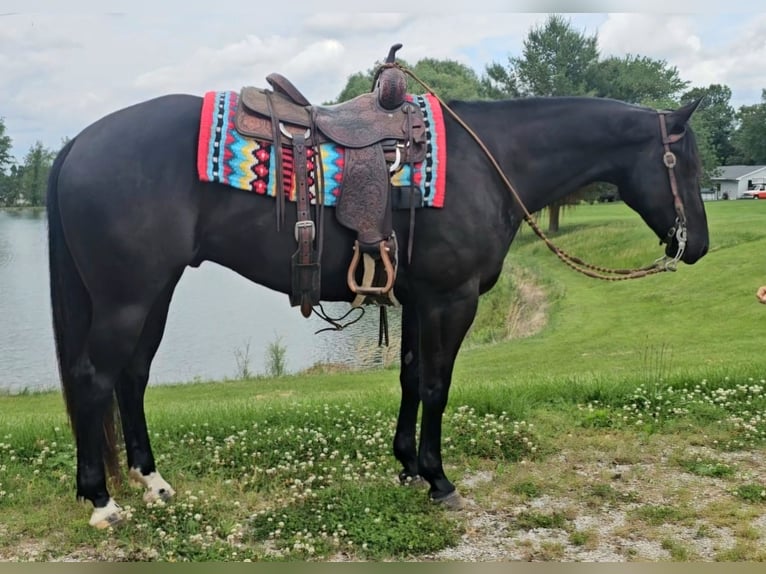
point(225, 156)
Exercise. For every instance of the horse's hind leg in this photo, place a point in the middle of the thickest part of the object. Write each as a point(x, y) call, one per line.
point(114, 332)
point(405, 449)
point(92, 404)
point(131, 387)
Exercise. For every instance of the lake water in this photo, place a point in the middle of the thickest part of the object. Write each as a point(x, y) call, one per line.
point(215, 315)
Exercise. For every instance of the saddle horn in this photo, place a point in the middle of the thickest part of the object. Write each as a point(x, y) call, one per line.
point(390, 82)
point(392, 53)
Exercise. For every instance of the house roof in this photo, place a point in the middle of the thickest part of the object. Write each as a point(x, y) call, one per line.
point(734, 172)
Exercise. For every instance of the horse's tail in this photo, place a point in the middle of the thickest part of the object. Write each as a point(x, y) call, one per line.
point(71, 305)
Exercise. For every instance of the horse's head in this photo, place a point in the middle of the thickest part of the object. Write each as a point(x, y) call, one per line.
point(663, 185)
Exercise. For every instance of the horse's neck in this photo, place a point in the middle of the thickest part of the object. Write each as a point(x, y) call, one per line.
point(551, 147)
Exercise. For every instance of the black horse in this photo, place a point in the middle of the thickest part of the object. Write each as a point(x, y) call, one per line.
point(127, 214)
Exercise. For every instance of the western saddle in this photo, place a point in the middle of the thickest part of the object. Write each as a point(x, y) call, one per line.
point(380, 132)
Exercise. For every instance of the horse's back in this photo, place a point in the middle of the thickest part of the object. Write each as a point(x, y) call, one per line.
point(141, 131)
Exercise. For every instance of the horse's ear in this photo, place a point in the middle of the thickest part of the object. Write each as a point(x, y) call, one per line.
point(678, 119)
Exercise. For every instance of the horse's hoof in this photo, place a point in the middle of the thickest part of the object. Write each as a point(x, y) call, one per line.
point(106, 516)
point(156, 487)
point(452, 501)
point(416, 481)
point(154, 495)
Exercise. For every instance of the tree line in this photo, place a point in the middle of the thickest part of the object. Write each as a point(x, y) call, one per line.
point(23, 183)
point(556, 60)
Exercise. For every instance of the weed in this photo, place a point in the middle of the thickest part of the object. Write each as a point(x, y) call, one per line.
point(656, 363)
point(743, 551)
point(242, 358)
point(678, 551)
point(747, 532)
point(656, 515)
point(608, 493)
point(527, 489)
point(751, 492)
point(703, 531)
point(527, 520)
point(706, 467)
point(597, 418)
point(276, 358)
point(581, 537)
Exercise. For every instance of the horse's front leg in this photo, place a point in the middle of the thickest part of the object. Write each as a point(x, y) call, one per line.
point(405, 450)
point(444, 320)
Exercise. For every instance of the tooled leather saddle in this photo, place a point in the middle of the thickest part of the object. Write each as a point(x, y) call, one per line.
point(380, 132)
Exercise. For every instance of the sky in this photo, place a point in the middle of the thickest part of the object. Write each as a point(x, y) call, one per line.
point(64, 65)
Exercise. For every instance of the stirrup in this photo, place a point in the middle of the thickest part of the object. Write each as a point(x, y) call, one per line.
point(387, 265)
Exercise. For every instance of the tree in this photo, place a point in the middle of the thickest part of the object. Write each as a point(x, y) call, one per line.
point(715, 117)
point(635, 79)
point(10, 185)
point(34, 179)
point(356, 85)
point(5, 148)
point(498, 83)
point(709, 158)
point(6, 163)
point(450, 79)
point(556, 61)
point(749, 139)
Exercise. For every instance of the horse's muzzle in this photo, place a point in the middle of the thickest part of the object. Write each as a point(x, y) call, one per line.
point(693, 251)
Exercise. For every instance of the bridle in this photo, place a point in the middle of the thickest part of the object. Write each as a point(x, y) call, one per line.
point(678, 230)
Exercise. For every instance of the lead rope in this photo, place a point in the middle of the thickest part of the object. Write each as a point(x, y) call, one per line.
point(658, 266)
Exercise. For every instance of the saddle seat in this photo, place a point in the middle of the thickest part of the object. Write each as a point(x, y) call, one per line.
point(361, 122)
point(356, 123)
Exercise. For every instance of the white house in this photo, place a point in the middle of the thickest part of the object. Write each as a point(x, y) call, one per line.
point(734, 180)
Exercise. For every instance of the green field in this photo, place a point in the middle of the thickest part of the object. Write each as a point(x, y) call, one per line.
point(636, 402)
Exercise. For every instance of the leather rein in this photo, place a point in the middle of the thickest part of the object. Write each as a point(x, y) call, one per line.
point(678, 230)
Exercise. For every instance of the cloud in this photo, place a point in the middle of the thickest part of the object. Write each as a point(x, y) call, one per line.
point(319, 62)
point(654, 35)
point(732, 52)
point(348, 25)
point(743, 60)
point(60, 72)
point(249, 61)
point(30, 52)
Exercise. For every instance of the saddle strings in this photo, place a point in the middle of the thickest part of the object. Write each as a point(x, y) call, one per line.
point(276, 137)
point(320, 192)
point(575, 263)
point(336, 322)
